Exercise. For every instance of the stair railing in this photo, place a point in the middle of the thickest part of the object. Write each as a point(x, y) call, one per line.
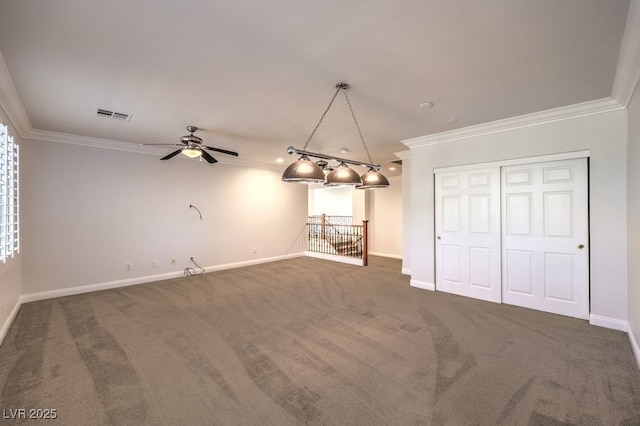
point(336, 235)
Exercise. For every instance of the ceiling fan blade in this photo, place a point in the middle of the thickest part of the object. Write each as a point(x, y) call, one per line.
point(161, 144)
point(173, 154)
point(208, 157)
point(224, 151)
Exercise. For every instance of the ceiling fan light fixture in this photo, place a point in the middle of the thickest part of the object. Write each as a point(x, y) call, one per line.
point(303, 171)
point(192, 152)
point(192, 147)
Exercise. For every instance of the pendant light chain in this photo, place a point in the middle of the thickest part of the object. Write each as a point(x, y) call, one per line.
point(357, 126)
point(306, 171)
point(321, 118)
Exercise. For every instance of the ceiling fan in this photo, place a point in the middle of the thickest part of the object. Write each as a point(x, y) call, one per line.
point(192, 147)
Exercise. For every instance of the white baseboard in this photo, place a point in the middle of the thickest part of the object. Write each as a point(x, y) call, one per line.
point(334, 258)
point(423, 285)
point(634, 346)
point(252, 262)
point(392, 256)
point(406, 271)
point(9, 321)
point(70, 291)
point(612, 323)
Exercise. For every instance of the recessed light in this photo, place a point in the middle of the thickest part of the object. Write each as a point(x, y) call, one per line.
point(279, 160)
point(452, 120)
point(344, 150)
point(426, 105)
point(392, 168)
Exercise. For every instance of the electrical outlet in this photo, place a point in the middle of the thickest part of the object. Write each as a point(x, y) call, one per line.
point(173, 260)
point(154, 263)
point(255, 251)
point(127, 266)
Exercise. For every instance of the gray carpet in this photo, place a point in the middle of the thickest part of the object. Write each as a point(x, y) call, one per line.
point(344, 345)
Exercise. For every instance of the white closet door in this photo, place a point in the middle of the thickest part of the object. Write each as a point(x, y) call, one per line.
point(544, 237)
point(468, 233)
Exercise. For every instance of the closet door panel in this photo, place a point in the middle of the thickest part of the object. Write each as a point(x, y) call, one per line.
point(545, 214)
point(468, 233)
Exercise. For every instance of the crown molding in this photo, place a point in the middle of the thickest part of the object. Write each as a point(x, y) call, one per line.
point(528, 120)
point(403, 155)
point(71, 139)
point(628, 70)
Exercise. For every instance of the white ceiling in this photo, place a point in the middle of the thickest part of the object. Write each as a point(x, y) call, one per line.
point(256, 75)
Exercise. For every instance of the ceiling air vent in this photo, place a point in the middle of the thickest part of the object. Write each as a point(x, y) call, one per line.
point(113, 115)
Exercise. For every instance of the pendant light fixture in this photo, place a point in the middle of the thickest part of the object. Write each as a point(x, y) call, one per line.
point(306, 171)
point(343, 175)
point(373, 179)
point(303, 171)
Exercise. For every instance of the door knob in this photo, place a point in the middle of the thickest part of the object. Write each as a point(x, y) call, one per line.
point(438, 237)
point(580, 246)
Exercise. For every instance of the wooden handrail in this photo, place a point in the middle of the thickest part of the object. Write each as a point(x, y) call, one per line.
point(365, 242)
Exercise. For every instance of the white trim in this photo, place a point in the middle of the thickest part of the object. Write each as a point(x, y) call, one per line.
point(516, 161)
point(252, 262)
point(423, 285)
point(406, 271)
point(334, 258)
point(9, 320)
point(634, 346)
point(612, 323)
point(392, 256)
point(528, 120)
point(628, 69)
point(403, 155)
point(88, 141)
point(70, 291)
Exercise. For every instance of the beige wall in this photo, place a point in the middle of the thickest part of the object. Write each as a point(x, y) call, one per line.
point(385, 219)
point(88, 211)
point(332, 201)
point(633, 221)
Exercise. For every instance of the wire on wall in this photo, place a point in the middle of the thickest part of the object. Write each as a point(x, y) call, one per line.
point(190, 272)
point(191, 206)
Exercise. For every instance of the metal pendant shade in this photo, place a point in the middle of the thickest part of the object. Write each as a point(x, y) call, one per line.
point(303, 171)
point(372, 180)
point(343, 175)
